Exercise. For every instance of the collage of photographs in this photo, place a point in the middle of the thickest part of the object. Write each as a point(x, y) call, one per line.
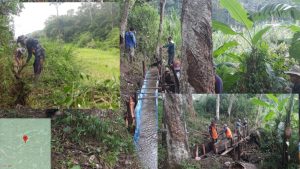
point(149, 84)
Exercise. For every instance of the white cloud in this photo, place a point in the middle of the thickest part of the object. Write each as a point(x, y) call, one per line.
point(34, 15)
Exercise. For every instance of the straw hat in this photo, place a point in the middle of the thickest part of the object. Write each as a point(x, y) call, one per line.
point(295, 70)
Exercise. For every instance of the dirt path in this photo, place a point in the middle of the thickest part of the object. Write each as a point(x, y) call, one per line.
point(146, 114)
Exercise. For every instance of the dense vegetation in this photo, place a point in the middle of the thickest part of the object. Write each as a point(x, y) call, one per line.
point(82, 60)
point(94, 25)
point(254, 43)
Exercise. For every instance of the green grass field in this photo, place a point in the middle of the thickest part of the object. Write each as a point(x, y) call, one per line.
point(98, 64)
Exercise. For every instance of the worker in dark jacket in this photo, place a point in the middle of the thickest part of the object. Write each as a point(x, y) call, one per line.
point(171, 50)
point(33, 47)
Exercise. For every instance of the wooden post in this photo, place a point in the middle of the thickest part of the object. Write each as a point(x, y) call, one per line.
point(197, 152)
point(131, 106)
point(234, 153)
point(239, 151)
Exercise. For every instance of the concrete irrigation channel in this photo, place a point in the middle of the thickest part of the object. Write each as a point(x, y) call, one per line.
point(146, 112)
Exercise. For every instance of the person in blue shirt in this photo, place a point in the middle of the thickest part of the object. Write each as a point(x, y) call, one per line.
point(33, 47)
point(171, 50)
point(130, 44)
point(218, 84)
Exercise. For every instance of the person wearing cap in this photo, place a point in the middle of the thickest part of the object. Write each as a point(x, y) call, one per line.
point(294, 74)
point(228, 133)
point(171, 50)
point(130, 44)
point(33, 47)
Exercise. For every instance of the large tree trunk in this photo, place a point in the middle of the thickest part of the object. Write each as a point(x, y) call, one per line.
point(197, 63)
point(128, 4)
point(190, 105)
point(218, 107)
point(177, 142)
point(160, 29)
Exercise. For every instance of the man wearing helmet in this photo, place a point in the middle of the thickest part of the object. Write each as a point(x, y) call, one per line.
point(33, 47)
point(228, 133)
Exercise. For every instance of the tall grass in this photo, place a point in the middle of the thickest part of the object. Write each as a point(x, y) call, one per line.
point(61, 84)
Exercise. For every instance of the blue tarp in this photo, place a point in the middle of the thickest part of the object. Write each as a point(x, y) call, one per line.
point(137, 111)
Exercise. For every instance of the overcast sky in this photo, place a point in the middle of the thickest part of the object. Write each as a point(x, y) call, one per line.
point(34, 15)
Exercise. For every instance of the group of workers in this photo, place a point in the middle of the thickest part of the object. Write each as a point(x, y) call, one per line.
point(213, 131)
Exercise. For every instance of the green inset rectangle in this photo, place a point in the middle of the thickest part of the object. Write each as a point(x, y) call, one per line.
point(15, 153)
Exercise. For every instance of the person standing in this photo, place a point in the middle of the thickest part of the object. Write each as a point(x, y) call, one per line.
point(238, 126)
point(218, 84)
point(245, 126)
point(228, 133)
point(213, 131)
point(130, 44)
point(171, 50)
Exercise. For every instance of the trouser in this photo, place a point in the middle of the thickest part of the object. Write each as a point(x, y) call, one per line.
point(38, 61)
point(170, 59)
point(38, 65)
point(231, 141)
point(130, 54)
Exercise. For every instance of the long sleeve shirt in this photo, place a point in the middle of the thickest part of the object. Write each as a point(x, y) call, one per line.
point(130, 41)
point(30, 45)
point(171, 48)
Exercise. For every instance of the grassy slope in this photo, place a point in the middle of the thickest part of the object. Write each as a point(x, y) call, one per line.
point(100, 65)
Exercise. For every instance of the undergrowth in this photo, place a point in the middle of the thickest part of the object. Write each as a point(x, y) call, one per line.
point(111, 139)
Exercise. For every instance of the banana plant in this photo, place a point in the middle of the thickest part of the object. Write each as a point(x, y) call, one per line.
point(258, 53)
point(274, 107)
point(241, 15)
point(278, 10)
